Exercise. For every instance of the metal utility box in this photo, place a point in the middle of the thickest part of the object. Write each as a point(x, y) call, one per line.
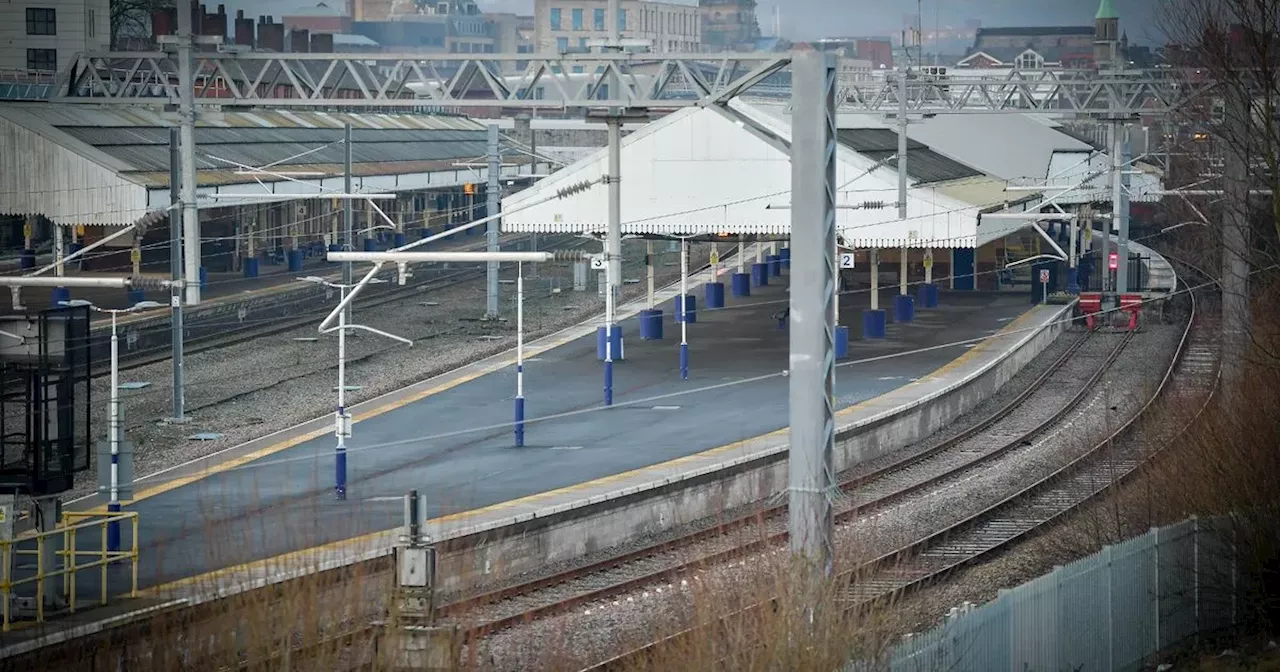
point(44, 400)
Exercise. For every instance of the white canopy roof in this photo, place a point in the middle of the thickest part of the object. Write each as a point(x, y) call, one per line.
point(698, 172)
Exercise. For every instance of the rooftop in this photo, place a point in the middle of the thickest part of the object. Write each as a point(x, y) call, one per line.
point(923, 164)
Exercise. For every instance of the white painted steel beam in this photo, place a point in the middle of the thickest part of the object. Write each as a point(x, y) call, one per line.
point(456, 257)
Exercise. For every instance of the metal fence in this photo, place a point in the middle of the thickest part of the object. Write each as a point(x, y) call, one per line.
point(1111, 611)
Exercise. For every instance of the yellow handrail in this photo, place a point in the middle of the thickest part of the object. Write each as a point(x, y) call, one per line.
point(69, 557)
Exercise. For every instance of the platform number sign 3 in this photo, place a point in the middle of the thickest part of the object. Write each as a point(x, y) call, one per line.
point(1044, 276)
point(846, 260)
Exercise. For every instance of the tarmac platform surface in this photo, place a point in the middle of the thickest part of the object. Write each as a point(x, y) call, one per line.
point(454, 442)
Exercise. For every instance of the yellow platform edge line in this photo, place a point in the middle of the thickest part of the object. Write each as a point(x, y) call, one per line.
point(292, 558)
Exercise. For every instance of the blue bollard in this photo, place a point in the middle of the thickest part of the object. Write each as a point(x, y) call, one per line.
point(904, 308)
point(370, 245)
point(842, 341)
point(741, 284)
point(775, 265)
point(294, 258)
point(927, 296)
point(715, 295)
point(691, 305)
point(77, 262)
point(651, 324)
point(760, 275)
point(519, 422)
point(250, 267)
point(873, 324)
point(204, 278)
point(617, 343)
point(785, 253)
point(425, 233)
point(401, 240)
point(60, 294)
point(27, 259)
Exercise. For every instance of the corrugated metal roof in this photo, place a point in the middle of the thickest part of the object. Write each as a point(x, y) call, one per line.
point(923, 164)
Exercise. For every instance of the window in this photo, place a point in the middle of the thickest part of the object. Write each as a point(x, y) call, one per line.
point(91, 29)
point(577, 69)
point(622, 20)
point(562, 44)
point(42, 59)
point(582, 44)
point(597, 18)
point(1029, 60)
point(555, 18)
point(41, 21)
point(577, 19)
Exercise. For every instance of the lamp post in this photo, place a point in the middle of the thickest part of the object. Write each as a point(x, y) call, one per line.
point(342, 420)
point(113, 422)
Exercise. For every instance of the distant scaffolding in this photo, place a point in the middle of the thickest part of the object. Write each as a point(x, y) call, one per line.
point(44, 406)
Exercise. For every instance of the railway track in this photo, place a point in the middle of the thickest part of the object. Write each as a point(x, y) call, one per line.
point(1050, 398)
point(1190, 378)
point(438, 281)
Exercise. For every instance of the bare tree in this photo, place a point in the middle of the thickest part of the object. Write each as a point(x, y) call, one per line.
point(131, 21)
point(1236, 44)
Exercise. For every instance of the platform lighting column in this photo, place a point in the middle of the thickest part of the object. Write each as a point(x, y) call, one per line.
point(684, 310)
point(340, 419)
point(348, 212)
point(928, 268)
point(612, 246)
point(742, 257)
point(902, 272)
point(1073, 280)
point(812, 308)
point(519, 355)
point(113, 427)
point(1109, 222)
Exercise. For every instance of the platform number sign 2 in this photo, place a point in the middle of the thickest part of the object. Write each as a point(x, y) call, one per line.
point(846, 260)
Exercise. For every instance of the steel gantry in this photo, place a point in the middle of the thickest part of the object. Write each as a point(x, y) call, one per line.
point(613, 81)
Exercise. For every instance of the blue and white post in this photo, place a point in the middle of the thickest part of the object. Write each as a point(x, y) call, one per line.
point(608, 335)
point(684, 310)
point(342, 424)
point(520, 354)
point(113, 501)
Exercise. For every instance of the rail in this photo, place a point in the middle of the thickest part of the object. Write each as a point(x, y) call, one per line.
point(68, 533)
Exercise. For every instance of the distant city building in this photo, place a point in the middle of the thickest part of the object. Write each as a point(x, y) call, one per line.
point(326, 16)
point(1055, 46)
point(729, 24)
point(876, 50)
point(41, 36)
point(569, 25)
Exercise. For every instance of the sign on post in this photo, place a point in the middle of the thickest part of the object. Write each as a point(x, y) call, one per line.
point(715, 257)
point(597, 262)
point(846, 260)
point(1044, 276)
point(928, 259)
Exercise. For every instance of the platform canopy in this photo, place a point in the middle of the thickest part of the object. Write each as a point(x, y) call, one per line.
point(83, 165)
point(698, 172)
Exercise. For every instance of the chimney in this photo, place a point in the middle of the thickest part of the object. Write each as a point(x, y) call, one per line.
point(164, 22)
point(299, 41)
point(244, 30)
point(270, 35)
point(322, 43)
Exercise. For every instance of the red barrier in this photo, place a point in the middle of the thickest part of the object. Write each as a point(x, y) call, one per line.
point(1132, 304)
point(1090, 306)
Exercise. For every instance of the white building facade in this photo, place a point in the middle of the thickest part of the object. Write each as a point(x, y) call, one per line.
point(42, 36)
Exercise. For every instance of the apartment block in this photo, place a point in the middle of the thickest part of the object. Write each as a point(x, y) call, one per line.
point(42, 36)
point(569, 25)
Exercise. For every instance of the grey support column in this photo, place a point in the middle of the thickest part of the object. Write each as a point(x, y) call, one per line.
point(492, 204)
point(813, 296)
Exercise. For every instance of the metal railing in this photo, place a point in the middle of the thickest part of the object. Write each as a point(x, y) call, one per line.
point(74, 529)
point(1113, 610)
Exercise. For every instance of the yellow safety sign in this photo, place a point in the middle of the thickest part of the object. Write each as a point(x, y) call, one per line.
point(26, 230)
point(715, 257)
point(4, 514)
point(928, 259)
point(79, 229)
point(135, 255)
